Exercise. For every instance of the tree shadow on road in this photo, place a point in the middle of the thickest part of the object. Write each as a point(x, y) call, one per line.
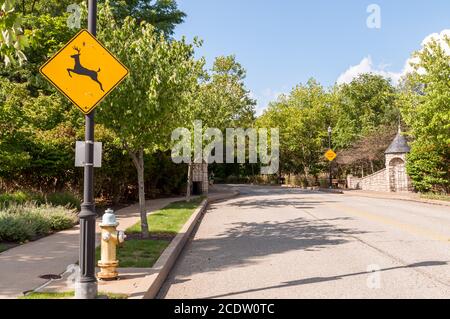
point(315, 280)
point(245, 243)
point(254, 203)
point(273, 197)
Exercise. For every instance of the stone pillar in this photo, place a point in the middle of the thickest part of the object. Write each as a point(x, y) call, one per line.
point(200, 175)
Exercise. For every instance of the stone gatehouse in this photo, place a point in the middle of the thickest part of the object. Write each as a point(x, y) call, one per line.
point(391, 179)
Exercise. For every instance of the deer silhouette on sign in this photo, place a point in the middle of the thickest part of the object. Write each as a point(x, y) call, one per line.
point(81, 70)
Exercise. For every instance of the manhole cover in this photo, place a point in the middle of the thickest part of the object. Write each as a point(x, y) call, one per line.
point(50, 276)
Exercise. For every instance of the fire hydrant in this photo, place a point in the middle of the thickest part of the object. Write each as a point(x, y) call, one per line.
point(111, 238)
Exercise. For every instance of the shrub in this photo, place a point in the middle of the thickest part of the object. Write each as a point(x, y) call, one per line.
point(14, 228)
point(428, 168)
point(65, 199)
point(61, 220)
point(19, 223)
point(19, 198)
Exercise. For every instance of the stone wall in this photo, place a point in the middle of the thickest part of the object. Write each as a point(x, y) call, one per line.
point(377, 182)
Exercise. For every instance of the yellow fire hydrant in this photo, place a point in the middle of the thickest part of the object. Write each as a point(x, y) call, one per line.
point(111, 238)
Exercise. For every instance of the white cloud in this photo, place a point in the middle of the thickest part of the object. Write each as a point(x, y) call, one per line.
point(264, 98)
point(367, 65)
point(440, 38)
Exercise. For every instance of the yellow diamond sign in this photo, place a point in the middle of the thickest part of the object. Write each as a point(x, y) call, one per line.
point(84, 71)
point(330, 155)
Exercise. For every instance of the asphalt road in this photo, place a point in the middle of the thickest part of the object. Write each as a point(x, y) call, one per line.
point(288, 243)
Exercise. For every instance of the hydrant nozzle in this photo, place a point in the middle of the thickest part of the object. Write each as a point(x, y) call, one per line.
point(111, 238)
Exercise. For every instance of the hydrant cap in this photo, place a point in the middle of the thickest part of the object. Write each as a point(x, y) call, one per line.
point(109, 219)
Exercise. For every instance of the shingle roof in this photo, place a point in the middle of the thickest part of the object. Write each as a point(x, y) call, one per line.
point(399, 145)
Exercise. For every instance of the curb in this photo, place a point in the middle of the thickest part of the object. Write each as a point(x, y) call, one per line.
point(169, 257)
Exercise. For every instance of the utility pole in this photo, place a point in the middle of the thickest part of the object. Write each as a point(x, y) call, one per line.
point(331, 163)
point(86, 286)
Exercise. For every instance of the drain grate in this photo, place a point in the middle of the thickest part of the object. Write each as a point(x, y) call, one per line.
point(50, 276)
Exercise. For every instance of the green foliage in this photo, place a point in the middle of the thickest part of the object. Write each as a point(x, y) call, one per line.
point(436, 196)
point(303, 118)
point(223, 100)
point(426, 109)
point(17, 198)
point(169, 220)
point(139, 253)
point(68, 295)
point(361, 107)
point(163, 74)
point(60, 220)
point(48, 34)
point(12, 39)
point(49, 295)
point(428, 168)
point(144, 110)
point(65, 199)
point(162, 14)
point(19, 223)
point(41, 7)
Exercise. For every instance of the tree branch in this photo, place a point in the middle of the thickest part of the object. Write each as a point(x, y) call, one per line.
point(133, 155)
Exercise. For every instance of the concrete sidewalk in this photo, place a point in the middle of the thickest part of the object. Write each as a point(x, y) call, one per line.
point(22, 266)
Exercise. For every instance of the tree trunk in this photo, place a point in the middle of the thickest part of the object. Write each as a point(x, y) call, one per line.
point(138, 161)
point(189, 183)
point(142, 208)
point(33, 6)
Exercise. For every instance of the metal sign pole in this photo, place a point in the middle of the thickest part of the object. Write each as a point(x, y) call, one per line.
point(86, 287)
point(331, 162)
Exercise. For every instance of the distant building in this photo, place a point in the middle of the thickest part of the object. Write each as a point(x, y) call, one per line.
point(394, 177)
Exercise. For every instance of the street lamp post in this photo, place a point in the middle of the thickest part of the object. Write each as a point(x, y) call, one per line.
point(86, 285)
point(331, 163)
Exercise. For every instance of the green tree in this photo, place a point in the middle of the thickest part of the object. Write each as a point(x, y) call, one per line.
point(426, 111)
point(222, 101)
point(164, 15)
point(361, 106)
point(39, 7)
point(303, 118)
point(147, 106)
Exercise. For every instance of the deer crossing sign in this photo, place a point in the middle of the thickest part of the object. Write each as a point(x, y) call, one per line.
point(84, 71)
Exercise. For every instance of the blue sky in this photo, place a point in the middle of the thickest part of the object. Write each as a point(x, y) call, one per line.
point(283, 43)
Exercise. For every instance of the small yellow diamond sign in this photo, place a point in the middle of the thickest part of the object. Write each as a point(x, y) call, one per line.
point(84, 71)
point(330, 155)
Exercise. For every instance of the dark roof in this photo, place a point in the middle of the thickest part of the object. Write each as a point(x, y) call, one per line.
point(399, 145)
